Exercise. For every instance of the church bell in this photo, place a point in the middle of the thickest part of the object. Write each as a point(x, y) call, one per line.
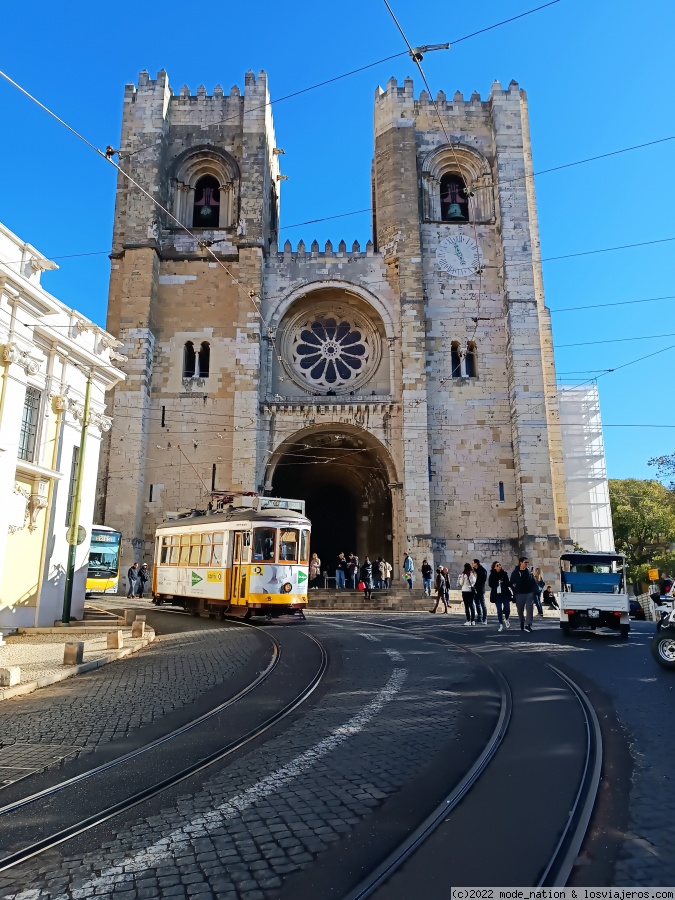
point(454, 212)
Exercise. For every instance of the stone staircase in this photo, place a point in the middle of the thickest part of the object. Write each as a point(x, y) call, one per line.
point(396, 599)
point(96, 616)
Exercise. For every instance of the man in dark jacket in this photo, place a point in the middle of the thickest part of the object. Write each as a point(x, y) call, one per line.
point(340, 572)
point(479, 592)
point(132, 581)
point(524, 587)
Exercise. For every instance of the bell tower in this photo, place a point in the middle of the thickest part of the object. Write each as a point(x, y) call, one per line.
point(188, 321)
point(455, 220)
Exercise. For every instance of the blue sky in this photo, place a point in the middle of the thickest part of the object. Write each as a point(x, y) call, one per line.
point(597, 78)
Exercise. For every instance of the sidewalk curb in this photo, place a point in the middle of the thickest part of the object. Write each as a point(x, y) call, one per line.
point(69, 671)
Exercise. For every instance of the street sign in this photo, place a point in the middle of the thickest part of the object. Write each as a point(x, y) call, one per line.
point(653, 574)
point(81, 535)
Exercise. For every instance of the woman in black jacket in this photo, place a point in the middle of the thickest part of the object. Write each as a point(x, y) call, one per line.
point(500, 594)
point(367, 578)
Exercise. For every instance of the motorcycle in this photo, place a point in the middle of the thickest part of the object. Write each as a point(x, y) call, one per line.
point(663, 642)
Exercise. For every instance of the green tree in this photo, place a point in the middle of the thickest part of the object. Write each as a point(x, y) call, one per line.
point(643, 515)
point(665, 468)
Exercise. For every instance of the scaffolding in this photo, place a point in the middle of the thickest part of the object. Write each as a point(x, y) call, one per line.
point(590, 513)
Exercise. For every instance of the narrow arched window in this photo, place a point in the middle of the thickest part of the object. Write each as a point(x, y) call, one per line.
point(189, 359)
point(455, 360)
point(206, 213)
point(204, 359)
point(470, 361)
point(454, 202)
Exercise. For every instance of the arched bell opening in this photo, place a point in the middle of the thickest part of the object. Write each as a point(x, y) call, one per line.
point(345, 481)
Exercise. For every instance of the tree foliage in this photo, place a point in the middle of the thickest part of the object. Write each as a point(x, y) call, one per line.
point(643, 515)
point(665, 468)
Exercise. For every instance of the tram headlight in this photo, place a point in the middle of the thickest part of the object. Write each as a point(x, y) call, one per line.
point(286, 588)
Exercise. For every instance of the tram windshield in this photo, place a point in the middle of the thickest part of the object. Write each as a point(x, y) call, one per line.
point(264, 541)
point(288, 545)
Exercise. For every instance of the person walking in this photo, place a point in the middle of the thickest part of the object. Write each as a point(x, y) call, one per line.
point(340, 570)
point(132, 581)
point(541, 584)
point(465, 583)
point(408, 570)
point(387, 574)
point(367, 578)
point(314, 572)
point(143, 580)
point(524, 589)
point(440, 591)
point(500, 594)
point(446, 575)
point(479, 592)
point(427, 575)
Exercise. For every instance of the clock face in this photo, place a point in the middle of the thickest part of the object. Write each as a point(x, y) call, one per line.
point(458, 256)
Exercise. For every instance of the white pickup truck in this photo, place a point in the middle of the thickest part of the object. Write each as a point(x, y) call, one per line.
point(593, 592)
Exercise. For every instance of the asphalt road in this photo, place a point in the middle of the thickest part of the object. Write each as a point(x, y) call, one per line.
point(311, 808)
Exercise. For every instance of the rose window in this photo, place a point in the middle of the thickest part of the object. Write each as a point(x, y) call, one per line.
point(332, 351)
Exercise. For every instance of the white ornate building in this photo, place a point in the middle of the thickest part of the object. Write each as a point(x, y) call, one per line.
point(46, 351)
point(405, 389)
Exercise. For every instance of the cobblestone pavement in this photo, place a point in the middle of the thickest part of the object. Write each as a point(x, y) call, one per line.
point(42, 654)
point(240, 830)
point(109, 703)
point(643, 696)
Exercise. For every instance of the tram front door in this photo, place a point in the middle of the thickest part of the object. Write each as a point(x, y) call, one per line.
point(238, 580)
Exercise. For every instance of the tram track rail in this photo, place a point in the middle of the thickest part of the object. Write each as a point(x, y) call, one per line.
point(47, 842)
point(557, 868)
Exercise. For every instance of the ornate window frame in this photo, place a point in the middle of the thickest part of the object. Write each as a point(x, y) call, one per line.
point(472, 167)
point(329, 346)
point(192, 166)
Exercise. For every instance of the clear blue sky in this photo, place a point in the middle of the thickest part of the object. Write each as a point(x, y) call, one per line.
point(598, 79)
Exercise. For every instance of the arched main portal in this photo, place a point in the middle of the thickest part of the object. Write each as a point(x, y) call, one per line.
point(344, 479)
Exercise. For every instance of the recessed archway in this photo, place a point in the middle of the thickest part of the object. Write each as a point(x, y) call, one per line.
point(345, 479)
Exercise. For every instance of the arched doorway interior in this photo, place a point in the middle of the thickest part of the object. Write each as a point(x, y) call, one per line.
point(344, 481)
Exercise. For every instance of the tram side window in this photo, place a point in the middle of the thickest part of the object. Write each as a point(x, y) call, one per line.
point(164, 552)
point(195, 540)
point(304, 547)
point(184, 550)
point(217, 559)
point(263, 544)
point(288, 545)
point(205, 558)
point(175, 550)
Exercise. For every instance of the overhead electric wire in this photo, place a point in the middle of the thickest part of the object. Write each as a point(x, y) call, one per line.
point(617, 303)
point(641, 337)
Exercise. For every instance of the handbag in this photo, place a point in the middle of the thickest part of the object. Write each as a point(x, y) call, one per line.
point(362, 585)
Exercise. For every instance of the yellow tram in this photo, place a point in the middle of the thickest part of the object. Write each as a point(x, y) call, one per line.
point(251, 559)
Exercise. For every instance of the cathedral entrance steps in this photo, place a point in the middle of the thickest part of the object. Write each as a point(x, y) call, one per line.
point(396, 599)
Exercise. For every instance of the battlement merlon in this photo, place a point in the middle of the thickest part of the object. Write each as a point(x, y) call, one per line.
point(397, 107)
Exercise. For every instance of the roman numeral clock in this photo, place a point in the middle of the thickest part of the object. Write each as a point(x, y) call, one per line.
point(458, 256)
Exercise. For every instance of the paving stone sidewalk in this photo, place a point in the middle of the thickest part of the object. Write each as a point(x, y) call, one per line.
point(40, 656)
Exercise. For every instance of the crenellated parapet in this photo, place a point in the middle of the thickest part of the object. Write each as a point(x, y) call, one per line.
point(329, 252)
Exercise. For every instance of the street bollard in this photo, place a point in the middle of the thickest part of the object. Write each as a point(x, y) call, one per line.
point(73, 653)
point(140, 619)
point(138, 629)
point(115, 640)
point(10, 676)
point(129, 616)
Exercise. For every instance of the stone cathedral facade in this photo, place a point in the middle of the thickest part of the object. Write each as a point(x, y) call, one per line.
point(405, 389)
